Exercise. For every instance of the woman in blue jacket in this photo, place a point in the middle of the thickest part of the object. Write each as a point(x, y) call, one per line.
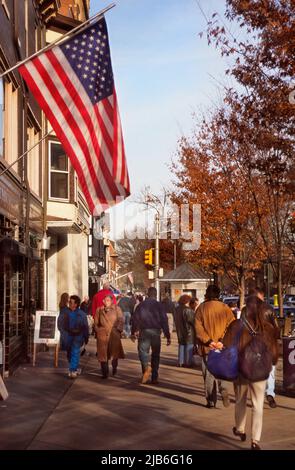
point(76, 326)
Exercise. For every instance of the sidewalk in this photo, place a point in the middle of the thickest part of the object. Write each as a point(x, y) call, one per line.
point(46, 410)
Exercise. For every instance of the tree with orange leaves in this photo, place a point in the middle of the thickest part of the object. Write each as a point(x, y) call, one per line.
point(208, 173)
point(262, 114)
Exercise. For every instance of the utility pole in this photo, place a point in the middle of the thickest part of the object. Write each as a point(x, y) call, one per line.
point(157, 255)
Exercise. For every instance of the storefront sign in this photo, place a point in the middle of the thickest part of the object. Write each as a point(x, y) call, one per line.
point(10, 200)
point(46, 328)
point(289, 362)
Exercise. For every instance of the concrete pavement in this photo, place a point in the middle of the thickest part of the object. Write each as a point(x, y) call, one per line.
point(47, 411)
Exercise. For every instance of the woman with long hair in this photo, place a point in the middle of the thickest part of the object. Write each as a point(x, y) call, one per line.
point(252, 322)
point(108, 325)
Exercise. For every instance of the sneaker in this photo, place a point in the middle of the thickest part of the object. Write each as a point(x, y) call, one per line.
point(271, 401)
point(225, 398)
point(155, 382)
point(72, 375)
point(146, 375)
point(79, 371)
point(242, 435)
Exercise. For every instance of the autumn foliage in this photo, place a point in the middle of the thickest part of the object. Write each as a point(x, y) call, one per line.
point(240, 162)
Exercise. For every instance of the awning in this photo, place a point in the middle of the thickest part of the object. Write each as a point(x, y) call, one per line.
point(11, 247)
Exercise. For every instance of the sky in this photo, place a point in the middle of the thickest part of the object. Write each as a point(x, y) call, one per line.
point(164, 73)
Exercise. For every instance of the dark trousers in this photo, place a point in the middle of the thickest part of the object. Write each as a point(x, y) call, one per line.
point(105, 367)
point(150, 339)
point(211, 384)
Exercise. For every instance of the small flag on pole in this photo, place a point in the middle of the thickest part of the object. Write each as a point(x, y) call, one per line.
point(130, 277)
point(73, 84)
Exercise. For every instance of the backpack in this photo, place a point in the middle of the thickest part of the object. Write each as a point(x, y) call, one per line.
point(255, 360)
point(77, 330)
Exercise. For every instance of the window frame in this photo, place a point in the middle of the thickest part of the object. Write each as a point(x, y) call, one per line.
point(54, 198)
point(35, 154)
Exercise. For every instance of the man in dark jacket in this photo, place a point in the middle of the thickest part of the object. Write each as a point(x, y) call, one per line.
point(126, 305)
point(169, 308)
point(148, 320)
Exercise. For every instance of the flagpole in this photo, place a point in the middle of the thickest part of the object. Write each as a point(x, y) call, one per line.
point(65, 36)
point(25, 153)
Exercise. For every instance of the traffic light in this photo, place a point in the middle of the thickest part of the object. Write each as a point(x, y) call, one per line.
point(148, 256)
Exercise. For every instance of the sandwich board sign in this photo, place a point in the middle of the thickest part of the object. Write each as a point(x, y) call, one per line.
point(46, 331)
point(3, 390)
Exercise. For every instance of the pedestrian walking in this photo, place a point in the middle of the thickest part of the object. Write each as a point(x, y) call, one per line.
point(194, 303)
point(63, 309)
point(256, 317)
point(183, 317)
point(270, 317)
point(126, 305)
point(169, 309)
point(98, 298)
point(148, 320)
point(211, 321)
point(75, 325)
point(189, 315)
point(138, 300)
point(85, 305)
point(108, 325)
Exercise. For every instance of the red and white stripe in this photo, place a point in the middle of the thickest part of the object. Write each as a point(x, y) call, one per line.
point(91, 135)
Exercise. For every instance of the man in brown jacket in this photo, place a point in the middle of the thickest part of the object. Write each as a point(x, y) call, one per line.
point(211, 321)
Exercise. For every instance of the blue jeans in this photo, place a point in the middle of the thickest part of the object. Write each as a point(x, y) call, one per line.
point(127, 327)
point(73, 354)
point(150, 339)
point(185, 354)
point(270, 383)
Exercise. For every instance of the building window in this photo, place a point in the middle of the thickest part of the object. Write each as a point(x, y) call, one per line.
point(59, 172)
point(33, 159)
point(1, 117)
point(11, 120)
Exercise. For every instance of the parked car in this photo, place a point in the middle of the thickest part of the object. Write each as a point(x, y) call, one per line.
point(230, 299)
point(288, 311)
point(289, 299)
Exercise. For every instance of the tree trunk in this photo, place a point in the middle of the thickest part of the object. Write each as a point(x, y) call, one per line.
point(242, 291)
point(280, 288)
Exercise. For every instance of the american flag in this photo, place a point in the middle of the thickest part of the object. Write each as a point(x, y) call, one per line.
point(73, 83)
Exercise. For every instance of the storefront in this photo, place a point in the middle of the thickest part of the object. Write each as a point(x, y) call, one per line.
point(21, 274)
point(13, 259)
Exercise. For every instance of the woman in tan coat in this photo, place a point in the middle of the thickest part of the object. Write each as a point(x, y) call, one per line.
point(108, 325)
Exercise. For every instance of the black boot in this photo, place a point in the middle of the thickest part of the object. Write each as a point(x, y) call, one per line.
point(104, 370)
point(115, 366)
